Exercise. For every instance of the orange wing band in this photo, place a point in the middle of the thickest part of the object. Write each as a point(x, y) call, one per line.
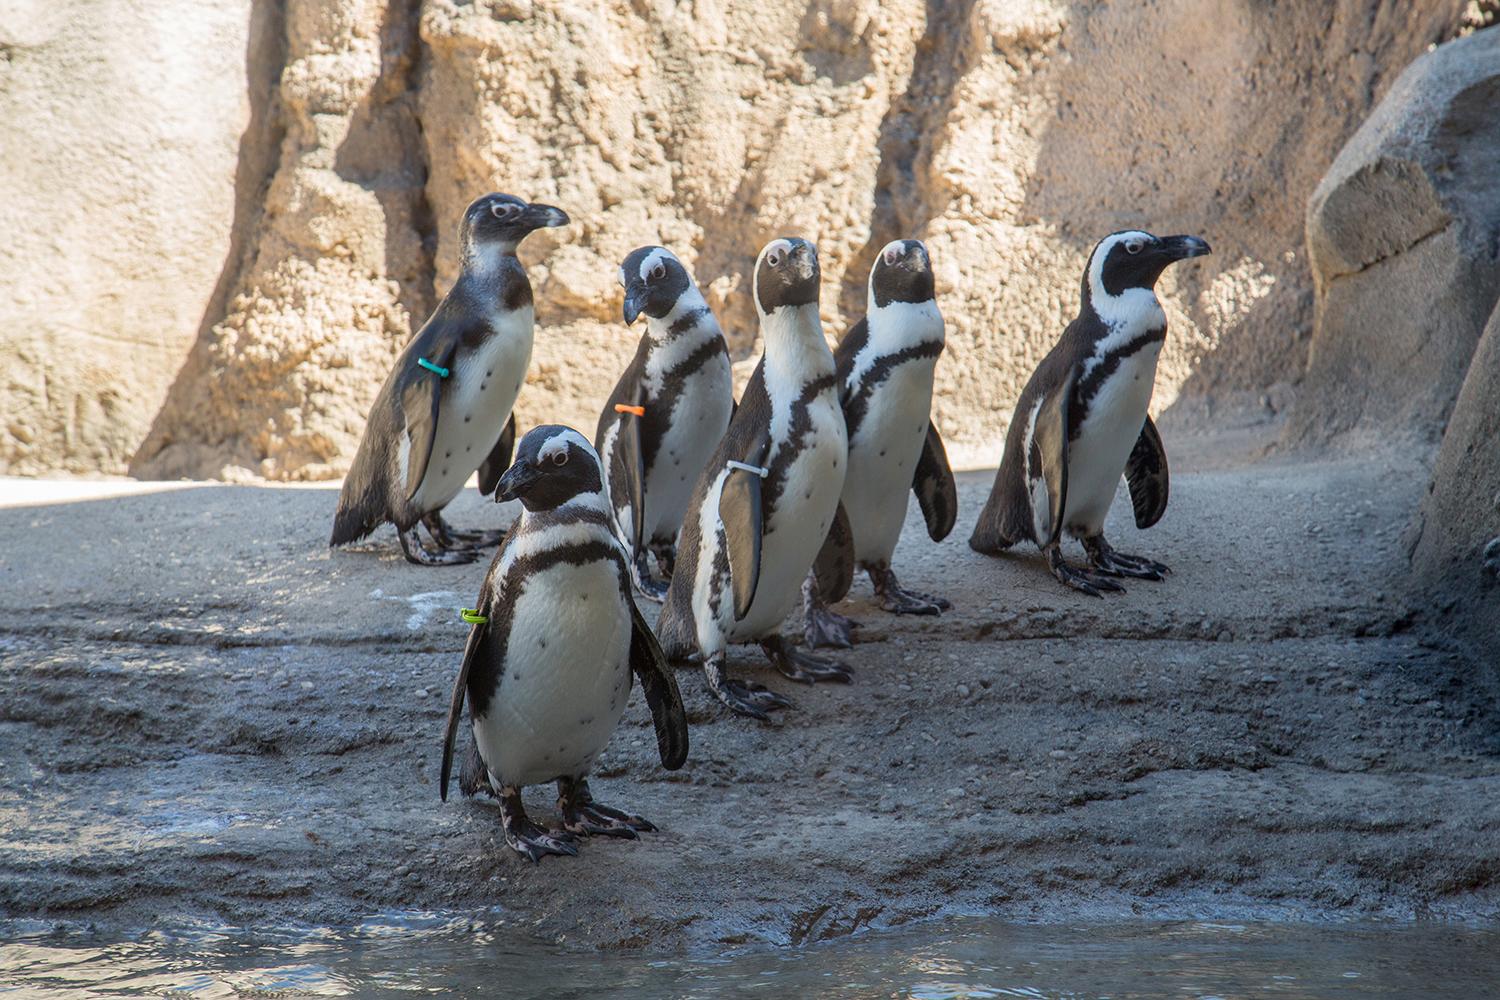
point(639, 411)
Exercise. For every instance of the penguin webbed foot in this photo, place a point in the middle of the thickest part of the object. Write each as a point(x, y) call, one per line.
point(899, 601)
point(822, 627)
point(1104, 559)
point(448, 537)
point(645, 583)
point(531, 840)
point(583, 816)
point(741, 697)
point(420, 555)
point(805, 668)
point(1083, 580)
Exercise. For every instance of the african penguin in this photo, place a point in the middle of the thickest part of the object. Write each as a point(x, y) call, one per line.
point(1081, 421)
point(445, 409)
point(768, 498)
point(886, 365)
point(556, 636)
point(667, 413)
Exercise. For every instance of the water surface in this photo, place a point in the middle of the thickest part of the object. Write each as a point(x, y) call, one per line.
point(416, 955)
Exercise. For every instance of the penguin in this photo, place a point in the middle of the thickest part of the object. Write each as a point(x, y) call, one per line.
point(555, 638)
point(667, 413)
point(1081, 421)
point(445, 409)
point(886, 364)
point(766, 507)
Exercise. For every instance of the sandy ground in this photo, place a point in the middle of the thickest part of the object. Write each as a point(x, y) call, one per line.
point(206, 714)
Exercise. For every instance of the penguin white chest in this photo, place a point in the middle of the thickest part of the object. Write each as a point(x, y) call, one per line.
point(796, 528)
point(700, 415)
point(478, 396)
point(1102, 443)
point(566, 676)
point(883, 454)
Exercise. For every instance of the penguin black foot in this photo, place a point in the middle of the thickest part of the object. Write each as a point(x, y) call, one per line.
point(528, 839)
point(585, 817)
point(644, 582)
point(1087, 581)
point(449, 537)
point(821, 626)
point(741, 697)
point(803, 667)
point(1106, 560)
point(903, 602)
point(417, 553)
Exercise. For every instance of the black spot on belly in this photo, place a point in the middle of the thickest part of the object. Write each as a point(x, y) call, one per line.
point(488, 372)
point(483, 386)
point(445, 472)
point(467, 419)
point(447, 454)
point(586, 720)
point(808, 494)
point(469, 448)
point(882, 454)
point(542, 643)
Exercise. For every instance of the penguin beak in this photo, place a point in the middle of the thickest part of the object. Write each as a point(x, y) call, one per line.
point(517, 482)
point(635, 301)
point(806, 259)
point(545, 217)
point(1183, 247)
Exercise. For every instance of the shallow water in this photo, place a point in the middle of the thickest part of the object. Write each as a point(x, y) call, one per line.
point(953, 959)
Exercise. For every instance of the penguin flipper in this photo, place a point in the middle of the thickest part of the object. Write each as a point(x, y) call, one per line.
point(421, 397)
point(627, 474)
point(498, 460)
point(1047, 462)
point(834, 567)
point(740, 513)
point(937, 493)
point(1146, 473)
point(659, 684)
point(478, 634)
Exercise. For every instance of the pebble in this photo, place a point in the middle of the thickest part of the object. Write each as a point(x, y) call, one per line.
point(1059, 755)
point(963, 690)
point(421, 692)
point(956, 792)
point(308, 685)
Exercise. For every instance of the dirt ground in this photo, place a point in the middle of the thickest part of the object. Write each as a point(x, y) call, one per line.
point(205, 714)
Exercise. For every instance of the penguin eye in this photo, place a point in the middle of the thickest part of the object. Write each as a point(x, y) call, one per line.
point(560, 457)
point(1133, 247)
point(504, 210)
point(773, 258)
point(658, 272)
point(891, 256)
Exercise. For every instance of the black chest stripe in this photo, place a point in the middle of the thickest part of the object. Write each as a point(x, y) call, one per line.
point(659, 416)
point(489, 663)
point(1090, 384)
point(798, 428)
point(688, 320)
point(857, 405)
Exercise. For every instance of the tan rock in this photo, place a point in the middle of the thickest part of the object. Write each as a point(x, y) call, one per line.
point(1403, 235)
point(1008, 134)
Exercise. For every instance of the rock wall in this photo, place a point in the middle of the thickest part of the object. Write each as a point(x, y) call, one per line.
point(1009, 134)
point(1455, 538)
point(122, 122)
point(1404, 239)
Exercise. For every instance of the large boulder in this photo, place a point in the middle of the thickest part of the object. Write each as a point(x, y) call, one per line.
point(1455, 539)
point(1404, 238)
point(122, 148)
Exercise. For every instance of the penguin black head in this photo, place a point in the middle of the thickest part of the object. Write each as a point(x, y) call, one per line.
point(902, 273)
point(502, 221)
point(653, 279)
point(786, 274)
point(553, 465)
point(1134, 259)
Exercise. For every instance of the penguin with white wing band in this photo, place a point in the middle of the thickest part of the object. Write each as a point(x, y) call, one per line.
point(768, 500)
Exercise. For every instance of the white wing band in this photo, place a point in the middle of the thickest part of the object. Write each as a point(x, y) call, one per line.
point(758, 470)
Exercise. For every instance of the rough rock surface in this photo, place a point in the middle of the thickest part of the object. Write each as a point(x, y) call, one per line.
point(1009, 135)
point(335, 271)
point(1455, 539)
point(121, 129)
point(1404, 238)
point(203, 721)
